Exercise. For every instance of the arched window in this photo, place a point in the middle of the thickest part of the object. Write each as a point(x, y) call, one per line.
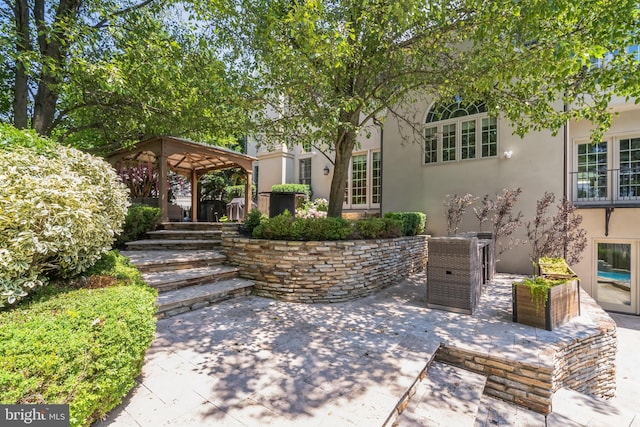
point(459, 131)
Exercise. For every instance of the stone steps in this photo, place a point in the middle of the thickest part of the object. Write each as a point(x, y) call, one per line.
point(172, 303)
point(168, 280)
point(185, 234)
point(447, 396)
point(182, 262)
point(162, 260)
point(571, 408)
point(166, 244)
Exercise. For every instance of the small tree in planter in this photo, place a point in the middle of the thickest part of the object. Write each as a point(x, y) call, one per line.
point(556, 236)
point(557, 241)
point(455, 207)
point(503, 222)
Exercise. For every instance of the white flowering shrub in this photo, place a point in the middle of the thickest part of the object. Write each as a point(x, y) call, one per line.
point(59, 212)
point(316, 209)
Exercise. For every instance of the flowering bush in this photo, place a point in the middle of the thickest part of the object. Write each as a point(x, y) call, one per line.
point(59, 212)
point(316, 209)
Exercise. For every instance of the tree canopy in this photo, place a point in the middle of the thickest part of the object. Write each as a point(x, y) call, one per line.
point(95, 73)
point(328, 69)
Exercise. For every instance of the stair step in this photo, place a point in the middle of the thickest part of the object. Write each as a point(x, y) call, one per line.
point(448, 396)
point(152, 261)
point(571, 408)
point(496, 412)
point(184, 234)
point(192, 226)
point(155, 244)
point(170, 279)
point(190, 298)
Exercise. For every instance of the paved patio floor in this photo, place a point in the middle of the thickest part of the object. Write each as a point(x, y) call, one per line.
point(259, 362)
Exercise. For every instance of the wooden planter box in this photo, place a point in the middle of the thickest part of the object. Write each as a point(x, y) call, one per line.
point(563, 304)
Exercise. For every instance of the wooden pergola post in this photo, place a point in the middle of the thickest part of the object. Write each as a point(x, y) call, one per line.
point(248, 193)
point(194, 196)
point(162, 188)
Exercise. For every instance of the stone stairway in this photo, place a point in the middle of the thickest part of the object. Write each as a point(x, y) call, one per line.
point(184, 263)
point(447, 396)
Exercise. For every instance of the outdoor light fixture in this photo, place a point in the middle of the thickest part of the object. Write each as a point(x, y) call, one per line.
point(508, 154)
point(326, 170)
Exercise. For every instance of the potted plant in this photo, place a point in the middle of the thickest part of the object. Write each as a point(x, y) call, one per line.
point(548, 300)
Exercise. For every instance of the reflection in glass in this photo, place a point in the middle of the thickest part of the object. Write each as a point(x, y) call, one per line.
point(614, 273)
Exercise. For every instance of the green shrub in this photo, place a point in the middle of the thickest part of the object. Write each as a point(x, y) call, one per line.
point(254, 219)
point(327, 228)
point(292, 188)
point(275, 228)
point(59, 212)
point(412, 222)
point(140, 220)
point(376, 228)
point(84, 347)
point(12, 139)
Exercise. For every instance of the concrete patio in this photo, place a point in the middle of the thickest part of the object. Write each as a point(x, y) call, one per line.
point(256, 362)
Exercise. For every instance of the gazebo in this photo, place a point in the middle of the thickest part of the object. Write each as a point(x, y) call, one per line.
point(188, 158)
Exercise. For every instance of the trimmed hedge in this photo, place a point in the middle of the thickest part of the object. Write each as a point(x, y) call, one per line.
point(413, 223)
point(286, 227)
point(292, 188)
point(84, 347)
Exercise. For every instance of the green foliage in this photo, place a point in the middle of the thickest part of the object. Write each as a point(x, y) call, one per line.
point(321, 229)
point(84, 347)
point(339, 64)
point(140, 220)
point(254, 219)
point(412, 222)
point(375, 228)
point(539, 289)
point(292, 188)
point(286, 227)
point(12, 139)
point(59, 212)
point(278, 227)
point(234, 191)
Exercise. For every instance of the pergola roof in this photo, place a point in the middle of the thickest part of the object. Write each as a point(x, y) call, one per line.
point(189, 158)
point(183, 156)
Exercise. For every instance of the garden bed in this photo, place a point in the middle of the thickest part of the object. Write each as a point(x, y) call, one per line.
point(325, 271)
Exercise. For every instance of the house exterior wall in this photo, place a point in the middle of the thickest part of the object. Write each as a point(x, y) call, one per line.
point(624, 225)
point(282, 165)
point(536, 166)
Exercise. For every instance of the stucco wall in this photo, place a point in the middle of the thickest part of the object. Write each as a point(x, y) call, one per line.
point(328, 271)
point(536, 165)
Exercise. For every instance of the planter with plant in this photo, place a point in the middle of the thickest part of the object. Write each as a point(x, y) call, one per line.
point(549, 300)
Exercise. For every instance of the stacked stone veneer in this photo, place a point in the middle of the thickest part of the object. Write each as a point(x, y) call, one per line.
point(326, 271)
point(581, 358)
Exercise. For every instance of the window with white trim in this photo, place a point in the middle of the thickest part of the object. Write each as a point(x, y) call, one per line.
point(607, 172)
point(304, 171)
point(363, 189)
point(458, 131)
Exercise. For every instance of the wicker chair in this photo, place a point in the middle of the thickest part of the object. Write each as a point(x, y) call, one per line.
point(454, 273)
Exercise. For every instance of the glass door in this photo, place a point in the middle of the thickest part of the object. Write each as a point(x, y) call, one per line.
point(616, 277)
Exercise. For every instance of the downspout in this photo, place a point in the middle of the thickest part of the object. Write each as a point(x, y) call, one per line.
point(377, 122)
point(565, 153)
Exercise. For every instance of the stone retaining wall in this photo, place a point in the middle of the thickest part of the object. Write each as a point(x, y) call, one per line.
point(584, 362)
point(327, 271)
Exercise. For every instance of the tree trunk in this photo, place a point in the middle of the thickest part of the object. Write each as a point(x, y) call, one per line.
point(344, 149)
point(53, 50)
point(23, 45)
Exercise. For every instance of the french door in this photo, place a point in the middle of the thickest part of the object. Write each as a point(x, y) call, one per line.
point(617, 276)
